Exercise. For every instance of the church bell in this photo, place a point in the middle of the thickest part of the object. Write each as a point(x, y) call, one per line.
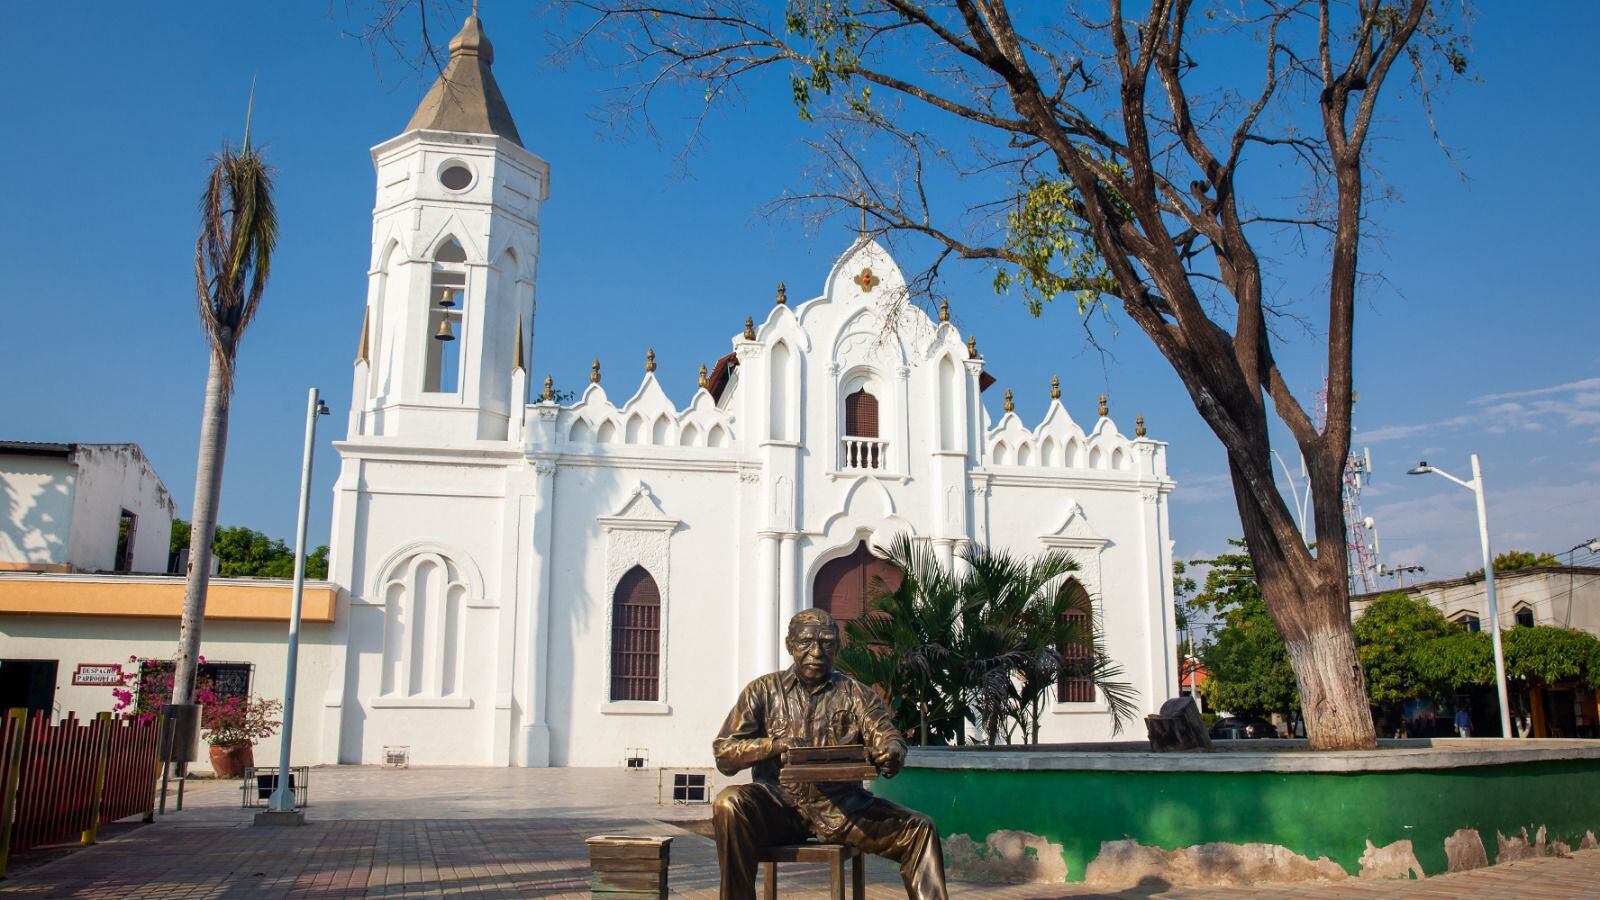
point(444, 333)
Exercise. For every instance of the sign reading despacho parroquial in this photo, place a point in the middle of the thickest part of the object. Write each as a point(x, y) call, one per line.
point(91, 674)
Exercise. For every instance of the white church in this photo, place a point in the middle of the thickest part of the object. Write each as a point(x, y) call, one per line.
point(533, 583)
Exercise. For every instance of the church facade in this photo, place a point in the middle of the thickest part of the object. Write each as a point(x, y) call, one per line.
point(530, 582)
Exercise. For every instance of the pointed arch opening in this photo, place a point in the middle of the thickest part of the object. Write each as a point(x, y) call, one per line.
point(447, 298)
point(1074, 684)
point(846, 586)
point(781, 381)
point(636, 637)
point(949, 408)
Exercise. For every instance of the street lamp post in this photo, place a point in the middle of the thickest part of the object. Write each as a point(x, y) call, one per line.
point(283, 792)
point(1493, 611)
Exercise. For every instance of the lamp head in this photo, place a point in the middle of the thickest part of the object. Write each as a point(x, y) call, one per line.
point(322, 409)
point(1421, 468)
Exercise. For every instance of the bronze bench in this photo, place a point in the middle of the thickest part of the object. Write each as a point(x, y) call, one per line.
point(812, 852)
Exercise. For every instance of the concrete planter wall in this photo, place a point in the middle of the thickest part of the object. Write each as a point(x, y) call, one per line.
point(1111, 815)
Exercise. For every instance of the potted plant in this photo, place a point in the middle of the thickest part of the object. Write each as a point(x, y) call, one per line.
point(232, 725)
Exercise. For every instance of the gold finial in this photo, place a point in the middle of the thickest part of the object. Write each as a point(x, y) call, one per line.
point(783, 295)
point(549, 394)
point(944, 310)
point(704, 381)
point(517, 352)
point(1138, 426)
point(650, 360)
point(1104, 410)
point(1009, 406)
point(749, 328)
point(1055, 387)
point(972, 347)
point(594, 373)
point(361, 348)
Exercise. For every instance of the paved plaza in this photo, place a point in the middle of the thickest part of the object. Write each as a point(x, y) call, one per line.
point(489, 833)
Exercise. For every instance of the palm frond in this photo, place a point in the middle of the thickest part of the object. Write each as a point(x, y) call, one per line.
point(233, 254)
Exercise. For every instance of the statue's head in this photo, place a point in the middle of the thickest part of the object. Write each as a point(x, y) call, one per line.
point(813, 641)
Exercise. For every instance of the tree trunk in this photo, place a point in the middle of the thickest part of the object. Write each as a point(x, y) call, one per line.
point(1309, 600)
point(202, 529)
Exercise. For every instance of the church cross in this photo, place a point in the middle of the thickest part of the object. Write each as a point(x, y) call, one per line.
point(866, 280)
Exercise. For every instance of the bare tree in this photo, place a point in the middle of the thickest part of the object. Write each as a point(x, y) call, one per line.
point(1109, 165)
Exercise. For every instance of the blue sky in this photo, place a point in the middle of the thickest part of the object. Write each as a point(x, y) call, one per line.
point(1483, 341)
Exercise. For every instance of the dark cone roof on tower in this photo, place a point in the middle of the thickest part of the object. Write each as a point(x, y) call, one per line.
point(466, 99)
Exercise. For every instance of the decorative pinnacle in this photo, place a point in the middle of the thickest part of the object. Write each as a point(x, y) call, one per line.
point(972, 347)
point(944, 310)
point(783, 295)
point(1009, 406)
point(1138, 426)
point(549, 390)
point(362, 354)
point(650, 360)
point(749, 328)
point(704, 381)
point(1055, 387)
point(1104, 410)
point(594, 373)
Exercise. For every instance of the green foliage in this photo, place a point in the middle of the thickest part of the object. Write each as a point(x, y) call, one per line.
point(833, 31)
point(985, 646)
point(1387, 637)
point(1454, 660)
point(1512, 560)
point(180, 536)
point(1547, 655)
point(1247, 664)
point(245, 553)
point(1054, 252)
point(1538, 656)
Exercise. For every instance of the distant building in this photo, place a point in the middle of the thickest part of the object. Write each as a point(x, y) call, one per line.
point(82, 508)
point(1564, 596)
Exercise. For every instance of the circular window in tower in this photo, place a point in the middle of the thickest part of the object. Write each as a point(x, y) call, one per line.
point(456, 177)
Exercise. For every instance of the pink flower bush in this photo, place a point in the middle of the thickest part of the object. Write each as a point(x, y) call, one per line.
point(226, 718)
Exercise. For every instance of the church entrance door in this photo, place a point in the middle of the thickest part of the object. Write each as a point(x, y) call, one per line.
point(844, 587)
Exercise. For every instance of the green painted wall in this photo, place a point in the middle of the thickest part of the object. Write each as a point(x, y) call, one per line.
point(1314, 814)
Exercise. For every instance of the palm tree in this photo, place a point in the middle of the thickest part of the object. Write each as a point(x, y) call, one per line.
point(984, 645)
point(232, 259)
point(1065, 640)
point(904, 644)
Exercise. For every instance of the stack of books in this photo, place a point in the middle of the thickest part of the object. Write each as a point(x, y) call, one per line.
point(809, 765)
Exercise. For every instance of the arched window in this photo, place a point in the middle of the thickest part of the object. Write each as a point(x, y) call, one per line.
point(861, 415)
point(636, 637)
point(1074, 684)
point(1525, 616)
point(1472, 622)
point(844, 587)
point(447, 294)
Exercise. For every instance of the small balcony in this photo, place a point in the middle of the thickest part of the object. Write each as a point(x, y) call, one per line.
point(861, 454)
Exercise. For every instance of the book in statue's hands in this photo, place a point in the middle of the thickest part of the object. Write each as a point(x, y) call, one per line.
point(810, 765)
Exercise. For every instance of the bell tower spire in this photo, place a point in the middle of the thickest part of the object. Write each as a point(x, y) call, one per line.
point(455, 243)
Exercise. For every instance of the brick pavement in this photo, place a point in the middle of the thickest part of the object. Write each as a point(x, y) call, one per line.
point(209, 850)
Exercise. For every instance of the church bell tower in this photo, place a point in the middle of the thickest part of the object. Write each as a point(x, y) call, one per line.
point(455, 243)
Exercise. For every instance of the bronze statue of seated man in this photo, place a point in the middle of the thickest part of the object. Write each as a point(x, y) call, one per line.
point(811, 705)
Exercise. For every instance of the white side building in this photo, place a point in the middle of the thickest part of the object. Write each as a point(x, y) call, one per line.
point(82, 508)
point(537, 583)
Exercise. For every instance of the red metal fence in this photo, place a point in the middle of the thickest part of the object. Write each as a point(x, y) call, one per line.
point(70, 777)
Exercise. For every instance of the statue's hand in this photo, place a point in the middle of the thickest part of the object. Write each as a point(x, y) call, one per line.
point(782, 746)
point(890, 759)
